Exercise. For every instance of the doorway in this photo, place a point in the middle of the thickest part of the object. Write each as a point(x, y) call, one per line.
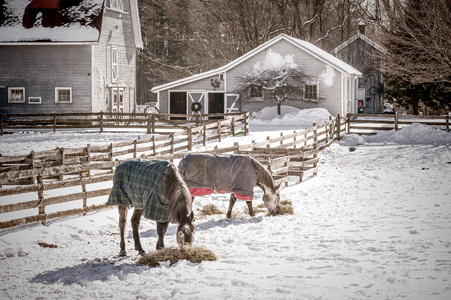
point(216, 104)
point(177, 104)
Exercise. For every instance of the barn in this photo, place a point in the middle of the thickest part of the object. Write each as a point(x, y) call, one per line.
point(68, 56)
point(367, 56)
point(334, 83)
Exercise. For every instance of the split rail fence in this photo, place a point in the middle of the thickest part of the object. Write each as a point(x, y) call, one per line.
point(152, 123)
point(42, 180)
point(368, 124)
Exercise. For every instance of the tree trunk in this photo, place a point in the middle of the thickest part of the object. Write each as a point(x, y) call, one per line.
point(279, 104)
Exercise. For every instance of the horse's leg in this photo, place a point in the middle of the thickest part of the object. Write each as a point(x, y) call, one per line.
point(231, 204)
point(251, 210)
point(136, 218)
point(122, 220)
point(161, 230)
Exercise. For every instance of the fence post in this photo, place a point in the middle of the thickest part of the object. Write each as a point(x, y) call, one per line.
point(294, 139)
point(172, 142)
point(153, 146)
point(281, 140)
point(85, 197)
point(338, 128)
point(54, 121)
point(134, 149)
point(149, 123)
point(348, 121)
point(268, 143)
point(447, 122)
point(219, 131)
point(233, 126)
point(88, 154)
point(1, 123)
point(189, 131)
point(101, 121)
point(41, 204)
point(197, 119)
point(396, 120)
point(205, 135)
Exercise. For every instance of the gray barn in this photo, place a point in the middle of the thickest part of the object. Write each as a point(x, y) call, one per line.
point(215, 91)
point(60, 57)
point(365, 55)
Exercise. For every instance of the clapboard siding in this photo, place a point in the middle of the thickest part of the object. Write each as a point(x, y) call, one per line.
point(84, 66)
point(42, 68)
point(331, 95)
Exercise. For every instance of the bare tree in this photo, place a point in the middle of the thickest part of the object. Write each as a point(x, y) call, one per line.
point(277, 78)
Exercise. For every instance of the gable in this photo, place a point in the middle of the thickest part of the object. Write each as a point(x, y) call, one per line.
point(302, 46)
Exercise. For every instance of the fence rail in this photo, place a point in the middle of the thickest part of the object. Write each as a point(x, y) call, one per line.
point(368, 124)
point(152, 123)
point(46, 179)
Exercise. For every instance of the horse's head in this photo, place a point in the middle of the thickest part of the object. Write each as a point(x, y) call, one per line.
point(185, 230)
point(271, 199)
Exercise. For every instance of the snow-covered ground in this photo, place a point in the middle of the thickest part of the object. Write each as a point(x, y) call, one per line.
point(374, 224)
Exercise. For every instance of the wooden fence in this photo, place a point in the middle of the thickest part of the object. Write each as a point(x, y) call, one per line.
point(152, 123)
point(44, 179)
point(370, 124)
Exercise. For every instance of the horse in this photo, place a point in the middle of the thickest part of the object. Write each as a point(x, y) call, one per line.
point(236, 174)
point(156, 191)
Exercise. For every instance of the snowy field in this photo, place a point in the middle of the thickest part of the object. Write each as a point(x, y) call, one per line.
point(374, 224)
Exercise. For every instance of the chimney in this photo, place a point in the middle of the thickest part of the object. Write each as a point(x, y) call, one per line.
point(362, 27)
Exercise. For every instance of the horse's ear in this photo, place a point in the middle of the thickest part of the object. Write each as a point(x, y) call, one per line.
point(278, 186)
point(191, 216)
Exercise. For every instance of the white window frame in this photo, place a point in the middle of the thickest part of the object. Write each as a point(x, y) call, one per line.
point(117, 5)
point(256, 98)
point(305, 91)
point(114, 64)
point(57, 89)
point(10, 92)
point(34, 100)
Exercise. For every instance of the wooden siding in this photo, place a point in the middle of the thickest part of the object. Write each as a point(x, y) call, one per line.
point(42, 68)
point(366, 59)
point(117, 31)
point(311, 65)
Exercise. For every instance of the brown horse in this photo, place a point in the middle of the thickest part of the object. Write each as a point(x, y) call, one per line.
point(236, 174)
point(157, 191)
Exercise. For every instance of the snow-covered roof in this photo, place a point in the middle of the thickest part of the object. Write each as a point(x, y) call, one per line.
point(51, 21)
point(363, 38)
point(313, 50)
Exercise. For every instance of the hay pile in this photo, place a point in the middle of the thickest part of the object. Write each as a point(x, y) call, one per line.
point(285, 208)
point(191, 253)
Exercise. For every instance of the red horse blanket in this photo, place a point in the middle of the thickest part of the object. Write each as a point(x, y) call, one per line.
point(208, 173)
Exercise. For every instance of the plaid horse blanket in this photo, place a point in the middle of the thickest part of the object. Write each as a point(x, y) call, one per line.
point(208, 173)
point(139, 183)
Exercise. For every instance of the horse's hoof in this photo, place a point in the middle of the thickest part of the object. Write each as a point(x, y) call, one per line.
point(141, 252)
point(122, 253)
point(229, 216)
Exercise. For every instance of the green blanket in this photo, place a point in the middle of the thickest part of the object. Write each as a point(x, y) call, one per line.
point(139, 183)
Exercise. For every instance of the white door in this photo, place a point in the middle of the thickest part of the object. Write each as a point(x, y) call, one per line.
point(231, 103)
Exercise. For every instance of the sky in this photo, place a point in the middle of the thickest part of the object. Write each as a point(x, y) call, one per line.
point(375, 223)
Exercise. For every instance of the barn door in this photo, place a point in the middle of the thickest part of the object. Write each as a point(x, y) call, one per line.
point(197, 103)
point(231, 101)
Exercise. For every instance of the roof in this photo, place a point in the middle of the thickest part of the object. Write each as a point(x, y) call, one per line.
point(307, 47)
point(51, 21)
point(363, 38)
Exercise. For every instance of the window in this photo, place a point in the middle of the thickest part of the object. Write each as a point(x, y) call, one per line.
point(256, 92)
point(16, 95)
point(310, 91)
point(114, 64)
point(117, 4)
point(63, 95)
point(34, 100)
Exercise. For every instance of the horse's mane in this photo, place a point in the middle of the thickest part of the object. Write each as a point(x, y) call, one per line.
point(263, 176)
point(177, 193)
